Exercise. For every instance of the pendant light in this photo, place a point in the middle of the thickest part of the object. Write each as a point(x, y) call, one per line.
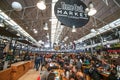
point(41, 5)
point(73, 28)
point(35, 31)
point(91, 10)
point(16, 6)
point(93, 31)
point(1, 23)
point(46, 26)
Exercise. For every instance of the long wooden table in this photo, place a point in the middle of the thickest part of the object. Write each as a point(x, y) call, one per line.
point(105, 76)
point(16, 70)
point(6, 74)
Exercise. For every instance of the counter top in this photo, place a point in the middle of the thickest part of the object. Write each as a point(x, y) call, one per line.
point(19, 63)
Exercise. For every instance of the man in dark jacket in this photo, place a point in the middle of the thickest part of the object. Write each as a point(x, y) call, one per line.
point(37, 62)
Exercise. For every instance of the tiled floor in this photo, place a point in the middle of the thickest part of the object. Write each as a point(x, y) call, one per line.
point(30, 75)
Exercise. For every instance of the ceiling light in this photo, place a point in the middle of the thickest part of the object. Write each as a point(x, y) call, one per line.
point(93, 31)
point(46, 26)
point(87, 10)
point(1, 23)
point(47, 35)
point(16, 6)
point(35, 31)
point(92, 12)
point(18, 34)
point(41, 5)
point(65, 39)
point(73, 29)
point(40, 41)
point(91, 5)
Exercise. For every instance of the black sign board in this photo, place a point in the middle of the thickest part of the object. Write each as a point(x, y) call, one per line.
point(71, 12)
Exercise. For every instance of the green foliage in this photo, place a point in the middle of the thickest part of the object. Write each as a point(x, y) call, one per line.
point(115, 45)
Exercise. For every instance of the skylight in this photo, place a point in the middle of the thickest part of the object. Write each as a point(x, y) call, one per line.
point(56, 27)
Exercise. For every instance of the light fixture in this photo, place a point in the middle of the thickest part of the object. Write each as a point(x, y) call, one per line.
point(65, 39)
point(16, 6)
point(18, 34)
point(41, 5)
point(93, 31)
point(91, 10)
point(47, 35)
point(73, 29)
point(1, 23)
point(34, 29)
point(46, 26)
point(35, 32)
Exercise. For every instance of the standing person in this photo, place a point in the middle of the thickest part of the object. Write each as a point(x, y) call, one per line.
point(78, 65)
point(37, 62)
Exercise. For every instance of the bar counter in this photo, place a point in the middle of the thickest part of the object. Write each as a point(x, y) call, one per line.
point(16, 70)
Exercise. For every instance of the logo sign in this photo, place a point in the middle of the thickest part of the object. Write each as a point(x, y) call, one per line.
point(71, 12)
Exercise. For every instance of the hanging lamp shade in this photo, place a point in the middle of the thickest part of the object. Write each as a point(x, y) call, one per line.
point(73, 29)
point(93, 31)
point(92, 11)
point(1, 23)
point(46, 26)
point(41, 5)
point(16, 6)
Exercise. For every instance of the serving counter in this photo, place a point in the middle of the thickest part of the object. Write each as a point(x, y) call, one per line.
point(6, 74)
point(16, 70)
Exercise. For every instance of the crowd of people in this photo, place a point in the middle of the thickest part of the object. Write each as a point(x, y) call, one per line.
point(72, 67)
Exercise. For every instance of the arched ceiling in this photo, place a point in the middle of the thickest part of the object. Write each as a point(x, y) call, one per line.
point(32, 18)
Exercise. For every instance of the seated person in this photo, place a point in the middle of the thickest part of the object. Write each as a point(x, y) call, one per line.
point(79, 75)
point(86, 62)
point(44, 74)
point(72, 78)
point(112, 75)
point(51, 76)
point(105, 66)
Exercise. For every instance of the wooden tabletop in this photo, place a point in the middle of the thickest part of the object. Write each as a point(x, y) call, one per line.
point(102, 73)
point(20, 63)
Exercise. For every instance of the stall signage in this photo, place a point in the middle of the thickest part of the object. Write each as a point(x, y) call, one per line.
point(113, 50)
point(71, 12)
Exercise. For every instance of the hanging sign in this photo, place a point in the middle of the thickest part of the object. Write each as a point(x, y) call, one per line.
point(71, 12)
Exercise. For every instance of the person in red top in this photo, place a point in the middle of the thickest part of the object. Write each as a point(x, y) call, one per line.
point(38, 78)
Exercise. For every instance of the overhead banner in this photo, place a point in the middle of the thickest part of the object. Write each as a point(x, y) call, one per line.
point(71, 12)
